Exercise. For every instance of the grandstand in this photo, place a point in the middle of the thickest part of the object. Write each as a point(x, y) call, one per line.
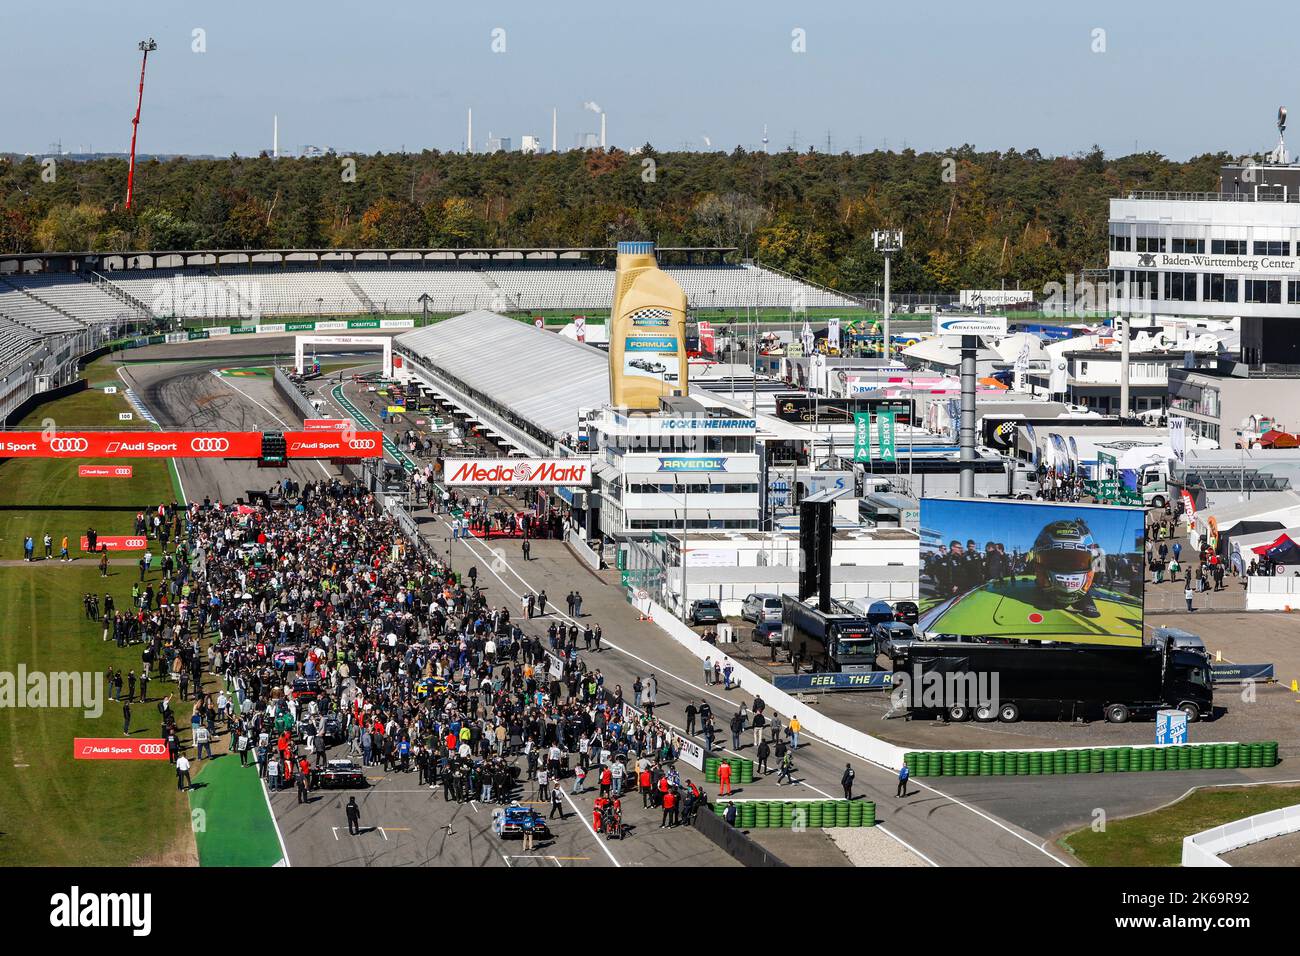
point(295, 289)
point(32, 313)
point(15, 343)
point(85, 301)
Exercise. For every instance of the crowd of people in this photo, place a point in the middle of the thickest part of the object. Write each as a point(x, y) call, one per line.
point(331, 628)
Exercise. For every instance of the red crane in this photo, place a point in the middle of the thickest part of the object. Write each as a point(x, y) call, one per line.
point(146, 47)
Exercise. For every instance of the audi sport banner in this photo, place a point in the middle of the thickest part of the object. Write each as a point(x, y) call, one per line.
point(118, 748)
point(334, 444)
point(534, 472)
point(325, 424)
point(116, 542)
point(139, 444)
point(105, 471)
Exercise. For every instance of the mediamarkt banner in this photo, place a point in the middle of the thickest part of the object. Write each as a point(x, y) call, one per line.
point(118, 748)
point(141, 444)
point(518, 471)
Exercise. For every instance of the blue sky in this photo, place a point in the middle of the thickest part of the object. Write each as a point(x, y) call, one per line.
point(1016, 524)
point(401, 73)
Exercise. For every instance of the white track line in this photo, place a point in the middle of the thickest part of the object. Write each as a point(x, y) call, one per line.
point(490, 558)
point(905, 844)
point(590, 829)
point(171, 461)
point(276, 823)
point(226, 381)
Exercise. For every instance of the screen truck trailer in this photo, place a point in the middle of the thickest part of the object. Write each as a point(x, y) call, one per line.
point(839, 640)
point(1053, 682)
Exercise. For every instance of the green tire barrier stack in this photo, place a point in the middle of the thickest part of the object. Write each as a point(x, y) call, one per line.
point(747, 771)
point(747, 815)
point(1013, 763)
point(711, 769)
point(817, 814)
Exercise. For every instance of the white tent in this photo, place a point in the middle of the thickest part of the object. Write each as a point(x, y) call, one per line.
point(1010, 347)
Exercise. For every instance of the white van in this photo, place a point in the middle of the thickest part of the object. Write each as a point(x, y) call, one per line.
point(760, 608)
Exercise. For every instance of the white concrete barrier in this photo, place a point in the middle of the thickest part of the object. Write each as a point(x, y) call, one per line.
point(1204, 848)
point(819, 725)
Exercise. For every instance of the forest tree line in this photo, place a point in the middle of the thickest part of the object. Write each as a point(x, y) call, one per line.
point(971, 219)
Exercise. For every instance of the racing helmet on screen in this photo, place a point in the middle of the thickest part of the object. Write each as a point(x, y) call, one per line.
point(1063, 560)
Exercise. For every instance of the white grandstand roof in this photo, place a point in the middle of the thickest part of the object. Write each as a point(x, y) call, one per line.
point(539, 376)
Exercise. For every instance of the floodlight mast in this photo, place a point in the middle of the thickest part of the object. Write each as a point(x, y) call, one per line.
point(146, 47)
point(887, 242)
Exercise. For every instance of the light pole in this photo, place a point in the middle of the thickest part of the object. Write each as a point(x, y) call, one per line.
point(887, 242)
point(146, 47)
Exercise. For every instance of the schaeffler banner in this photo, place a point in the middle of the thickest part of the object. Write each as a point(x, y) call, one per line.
point(518, 471)
point(141, 444)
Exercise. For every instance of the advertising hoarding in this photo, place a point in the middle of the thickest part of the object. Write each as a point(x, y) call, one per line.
point(142, 444)
point(118, 748)
point(825, 410)
point(970, 325)
point(1051, 572)
point(116, 542)
point(534, 472)
point(105, 471)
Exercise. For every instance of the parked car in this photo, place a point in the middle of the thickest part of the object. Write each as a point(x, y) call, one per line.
point(761, 607)
point(892, 637)
point(339, 775)
point(306, 688)
point(907, 612)
point(508, 822)
point(767, 632)
point(706, 612)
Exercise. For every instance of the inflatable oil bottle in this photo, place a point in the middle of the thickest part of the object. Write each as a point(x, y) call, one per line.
point(647, 335)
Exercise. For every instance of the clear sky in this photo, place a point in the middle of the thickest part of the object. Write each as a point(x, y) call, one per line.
point(1179, 78)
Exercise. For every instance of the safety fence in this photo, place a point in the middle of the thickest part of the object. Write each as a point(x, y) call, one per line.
point(1204, 848)
point(819, 725)
point(1145, 758)
point(733, 842)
